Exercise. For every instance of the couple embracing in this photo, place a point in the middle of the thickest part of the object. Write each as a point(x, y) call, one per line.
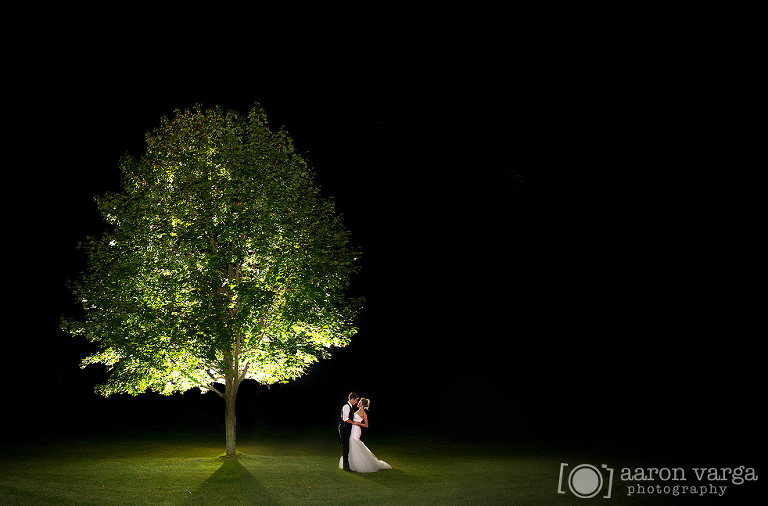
point(356, 456)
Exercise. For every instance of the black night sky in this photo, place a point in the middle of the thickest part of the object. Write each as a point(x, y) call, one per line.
point(557, 242)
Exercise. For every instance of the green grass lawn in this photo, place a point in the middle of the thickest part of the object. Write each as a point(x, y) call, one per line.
point(285, 466)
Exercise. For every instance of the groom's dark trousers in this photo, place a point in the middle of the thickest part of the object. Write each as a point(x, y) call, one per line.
point(345, 431)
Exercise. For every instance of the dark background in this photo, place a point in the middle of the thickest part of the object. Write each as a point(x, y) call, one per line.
point(560, 239)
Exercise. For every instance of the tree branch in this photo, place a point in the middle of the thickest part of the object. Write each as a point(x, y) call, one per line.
point(245, 371)
point(277, 159)
point(211, 388)
point(263, 321)
point(214, 377)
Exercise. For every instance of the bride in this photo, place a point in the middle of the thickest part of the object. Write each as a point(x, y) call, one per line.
point(361, 459)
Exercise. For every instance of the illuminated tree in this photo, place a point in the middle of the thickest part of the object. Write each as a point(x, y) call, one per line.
point(222, 263)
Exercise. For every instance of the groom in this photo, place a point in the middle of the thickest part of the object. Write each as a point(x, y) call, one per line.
point(345, 428)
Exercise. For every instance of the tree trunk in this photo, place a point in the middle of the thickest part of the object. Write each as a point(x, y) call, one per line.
point(230, 419)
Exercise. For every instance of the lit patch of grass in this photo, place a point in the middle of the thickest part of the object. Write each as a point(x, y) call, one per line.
point(279, 467)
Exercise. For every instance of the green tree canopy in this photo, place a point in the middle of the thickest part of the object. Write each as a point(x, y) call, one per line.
point(223, 262)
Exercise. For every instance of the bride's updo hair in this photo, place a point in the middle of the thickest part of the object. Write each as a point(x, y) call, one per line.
point(364, 402)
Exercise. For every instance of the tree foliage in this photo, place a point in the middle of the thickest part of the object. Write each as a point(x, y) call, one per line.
point(222, 262)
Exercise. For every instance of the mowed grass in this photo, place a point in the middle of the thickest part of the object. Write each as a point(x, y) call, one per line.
point(288, 466)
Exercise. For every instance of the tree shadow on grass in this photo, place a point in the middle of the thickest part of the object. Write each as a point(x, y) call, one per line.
point(231, 484)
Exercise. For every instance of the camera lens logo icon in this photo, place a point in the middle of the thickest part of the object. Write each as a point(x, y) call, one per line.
point(586, 481)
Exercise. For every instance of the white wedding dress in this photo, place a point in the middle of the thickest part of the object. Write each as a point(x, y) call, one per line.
point(361, 459)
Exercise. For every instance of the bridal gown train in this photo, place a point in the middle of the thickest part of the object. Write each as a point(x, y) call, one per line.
point(361, 459)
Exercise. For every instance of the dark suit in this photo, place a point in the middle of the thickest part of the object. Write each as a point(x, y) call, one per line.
point(345, 431)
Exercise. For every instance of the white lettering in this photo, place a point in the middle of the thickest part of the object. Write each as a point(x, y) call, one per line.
point(736, 478)
point(653, 473)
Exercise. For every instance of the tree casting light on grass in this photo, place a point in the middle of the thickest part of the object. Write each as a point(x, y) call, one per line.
point(223, 262)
